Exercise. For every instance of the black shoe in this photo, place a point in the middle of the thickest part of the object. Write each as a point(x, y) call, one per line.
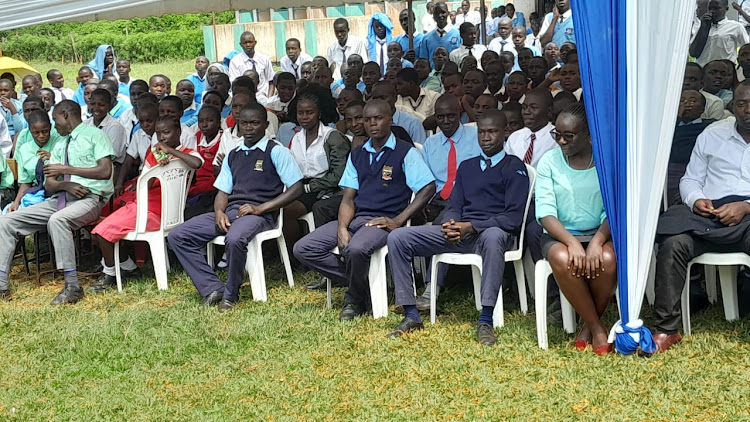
point(554, 311)
point(226, 305)
point(423, 301)
point(68, 295)
point(320, 284)
point(214, 298)
point(486, 334)
point(407, 325)
point(5, 295)
point(128, 275)
point(103, 283)
point(350, 312)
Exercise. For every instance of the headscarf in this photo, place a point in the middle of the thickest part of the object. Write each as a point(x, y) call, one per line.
point(229, 56)
point(97, 65)
point(372, 38)
point(218, 66)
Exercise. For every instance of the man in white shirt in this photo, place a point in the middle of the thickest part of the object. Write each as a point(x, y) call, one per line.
point(693, 79)
point(411, 97)
point(469, 37)
point(718, 38)
point(715, 190)
point(344, 46)
point(468, 15)
point(100, 102)
point(532, 39)
point(249, 59)
point(534, 140)
point(504, 41)
point(294, 58)
point(743, 13)
point(428, 22)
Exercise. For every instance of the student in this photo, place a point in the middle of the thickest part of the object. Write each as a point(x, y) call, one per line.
point(346, 96)
point(395, 52)
point(119, 105)
point(693, 80)
point(172, 106)
point(577, 242)
point(199, 77)
point(717, 37)
point(532, 36)
point(7, 190)
point(216, 99)
point(140, 145)
point(403, 39)
point(48, 98)
point(517, 17)
point(495, 72)
point(413, 126)
point(344, 46)
point(129, 118)
point(378, 182)
point(202, 192)
point(294, 58)
point(233, 137)
point(99, 105)
point(10, 108)
point(306, 70)
point(249, 59)
point(444, 35)
point(515, 89)
point(504, 40)
point(468, 46)
point(552, 55)
point(186, 92)
point(413, 98)
point(483, 103)
point(286, 85)
point(351, 80)
point(428, 22)
point(122, 68)
point(714, 78)
point(158, 86)
point(561, 100)
point(79, 191)
point(114, 228)
point(30, 104)
point(481, 218)
point(743, 62)
point(56, 80)
point(103, 62)
point(537, 71)
point(558, 25)
point(422, 66)
point(534, 140)
point(570, 79)
point(370, 76)
point(378, 37)
point(320, 152)
point(440, 58)
point(30, 85)
point(220, 82)
point(245, 205)
point(466, 15)
point(513, 118)
point(84, 74)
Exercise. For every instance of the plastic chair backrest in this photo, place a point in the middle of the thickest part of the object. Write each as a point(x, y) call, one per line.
point(531, 171)
point(174, 179)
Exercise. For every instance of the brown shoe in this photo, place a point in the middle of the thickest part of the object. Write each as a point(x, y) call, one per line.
point(665, 341)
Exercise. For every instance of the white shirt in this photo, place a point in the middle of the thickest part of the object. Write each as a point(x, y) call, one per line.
point(462, 51)
point(116, 134)
point(498, 47)
point(312, 160)
point(472, 16)
point(354, 45)
point(287, 65)
point(548, 20)
point(518, 143)
point(62, 94)
point(719, 165)
point(534, 41)
point(259, 62)
point(428, 23)
point(275, 104)
point(187, 138)
point(381, 45)
point(745, 6)
point(424, 105)
point(724, 38)
point(139, 146)
point(6, 142)
point(714, 106)
point(128, 120)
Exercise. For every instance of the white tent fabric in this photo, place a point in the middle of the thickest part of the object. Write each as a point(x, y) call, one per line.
point(657, 45)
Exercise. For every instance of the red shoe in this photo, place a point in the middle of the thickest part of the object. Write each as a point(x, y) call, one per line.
point(582, 344)
point(604, 349)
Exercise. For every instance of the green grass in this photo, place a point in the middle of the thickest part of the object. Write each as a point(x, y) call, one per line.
point(175, 70)
point(146, 355)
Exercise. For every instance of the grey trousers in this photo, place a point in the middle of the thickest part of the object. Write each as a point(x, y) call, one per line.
point(59, 225)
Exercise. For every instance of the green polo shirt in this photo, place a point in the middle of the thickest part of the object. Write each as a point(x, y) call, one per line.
point(27, 158)
point(25, 137)
point(6, 176)
point(87, 145)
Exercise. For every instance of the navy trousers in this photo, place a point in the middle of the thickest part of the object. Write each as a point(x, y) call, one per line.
point(314, 250)
point(407, 242)
point(187, 240)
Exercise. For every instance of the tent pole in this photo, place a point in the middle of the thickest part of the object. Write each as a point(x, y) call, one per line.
point(410, 7)
point(483, 24)
point(216, 43)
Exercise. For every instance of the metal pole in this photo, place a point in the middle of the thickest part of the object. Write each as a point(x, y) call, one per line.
point(410, 28)
point(483, 25)
point(216, 43)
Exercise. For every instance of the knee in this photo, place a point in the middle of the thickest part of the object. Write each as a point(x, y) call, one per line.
point(558, 258)
point(357, 250)
point(57, 221)
point(675, 245)
point(494, 236)
point(235, 242)
point(397, 238)
point(299, 249)
point(176, 235)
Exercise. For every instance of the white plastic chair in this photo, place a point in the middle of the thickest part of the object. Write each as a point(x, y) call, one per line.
point(541, 273)
point(309, 221)
point(475, 261)
point(727, 263)
point(174, 179)
point(254, 265)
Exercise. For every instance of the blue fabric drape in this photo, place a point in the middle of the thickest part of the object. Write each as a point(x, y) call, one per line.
point(371, 37)
point(97, 64)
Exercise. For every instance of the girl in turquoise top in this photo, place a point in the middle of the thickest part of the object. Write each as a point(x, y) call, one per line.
point(577, 242)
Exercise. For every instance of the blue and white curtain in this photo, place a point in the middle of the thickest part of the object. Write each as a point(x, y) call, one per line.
point(632, 59)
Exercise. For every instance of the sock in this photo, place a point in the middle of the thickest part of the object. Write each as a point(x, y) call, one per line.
point(3, 280)
point(411, 311)
point(128, 265)
point(71, 278)
point(110, 271)
point(486, 316)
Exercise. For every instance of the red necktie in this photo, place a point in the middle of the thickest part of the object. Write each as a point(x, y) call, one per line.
point(530, 151)
point(448, 187)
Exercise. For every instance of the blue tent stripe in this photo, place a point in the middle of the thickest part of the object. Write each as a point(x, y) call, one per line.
point(621, 201)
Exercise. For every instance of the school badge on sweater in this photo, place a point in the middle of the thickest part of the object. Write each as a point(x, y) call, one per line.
point(259, 165)
point(387, 173)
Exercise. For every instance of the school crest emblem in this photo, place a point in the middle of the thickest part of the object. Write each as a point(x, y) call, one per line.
point(454, 40)
point(387, 172)
point(259, 165)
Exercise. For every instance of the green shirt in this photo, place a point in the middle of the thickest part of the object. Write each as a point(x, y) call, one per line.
point(6, 176)
point(27, 158)
point(25, 137)
point(572, 196)
point(87, 145)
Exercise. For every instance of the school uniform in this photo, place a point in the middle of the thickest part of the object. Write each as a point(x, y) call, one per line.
point(63, 213)
point(294, 67)
point(274, 103)
point(531, 146)
point(412, 126)
point(495, 209)
point(15, 122)
point(124, 87)
point(129, 120)
point(564, 30)
point(190, 116)
point(123, 105)
point(438, 149)
point(476, 50)
point(249, 175)
point(714, 106)
point(724, 39)
point(424, 104)
point(199, 84)
point(403, 39)
point(338, 54)
point(230, 140)
point(140, 145)
point(384, 182)
point(433, 82)
point(62, 94)
point(116, 134)
point(447, 37)
point(338, 86)
point(500, 45)
point(259, 63)
point(6, 140)
point(187, 137)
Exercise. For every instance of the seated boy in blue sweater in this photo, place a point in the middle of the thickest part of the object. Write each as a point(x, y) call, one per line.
point(484, 213)
point(378, 182)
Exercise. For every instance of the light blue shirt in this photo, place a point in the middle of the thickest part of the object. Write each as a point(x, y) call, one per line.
point(199, 84)
point(124, 88)
point(417, 173)
point(493, 160)
point(286, 133)
point(437, 147)
point(411, 125)
point(16, 122)
point(281, 157)
point(338, 86)
point(403, 39)
point(432, 40)
point(518, 19)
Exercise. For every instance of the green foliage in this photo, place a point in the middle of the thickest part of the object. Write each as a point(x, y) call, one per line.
point(138, 39)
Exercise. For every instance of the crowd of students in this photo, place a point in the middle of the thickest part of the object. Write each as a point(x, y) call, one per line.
point(440, 132)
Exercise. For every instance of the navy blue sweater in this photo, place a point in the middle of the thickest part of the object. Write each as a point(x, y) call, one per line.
point(495, 197)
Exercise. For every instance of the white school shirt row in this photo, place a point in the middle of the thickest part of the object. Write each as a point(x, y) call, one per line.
point(336, 53)
point(294, 68)
point(462, 51)
point(312, 160)
point(518, 143)
point(259, 62)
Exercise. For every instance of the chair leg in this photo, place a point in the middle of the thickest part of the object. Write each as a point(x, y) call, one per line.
point(528, 268)
point(521, 283)
point(686, 303)
point(281, 241)
point(710, 273)
point(255, 271)
point(568, 315)
point(118, 276)
point(328, 293)
point(476, 276)
point(728, 280)
point(159, 258)
point(433, 290)
point(542, 271)
point(210, 254)
point(378, 288)
point(26, 255)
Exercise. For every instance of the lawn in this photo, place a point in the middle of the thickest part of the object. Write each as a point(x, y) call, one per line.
point(150, 355)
